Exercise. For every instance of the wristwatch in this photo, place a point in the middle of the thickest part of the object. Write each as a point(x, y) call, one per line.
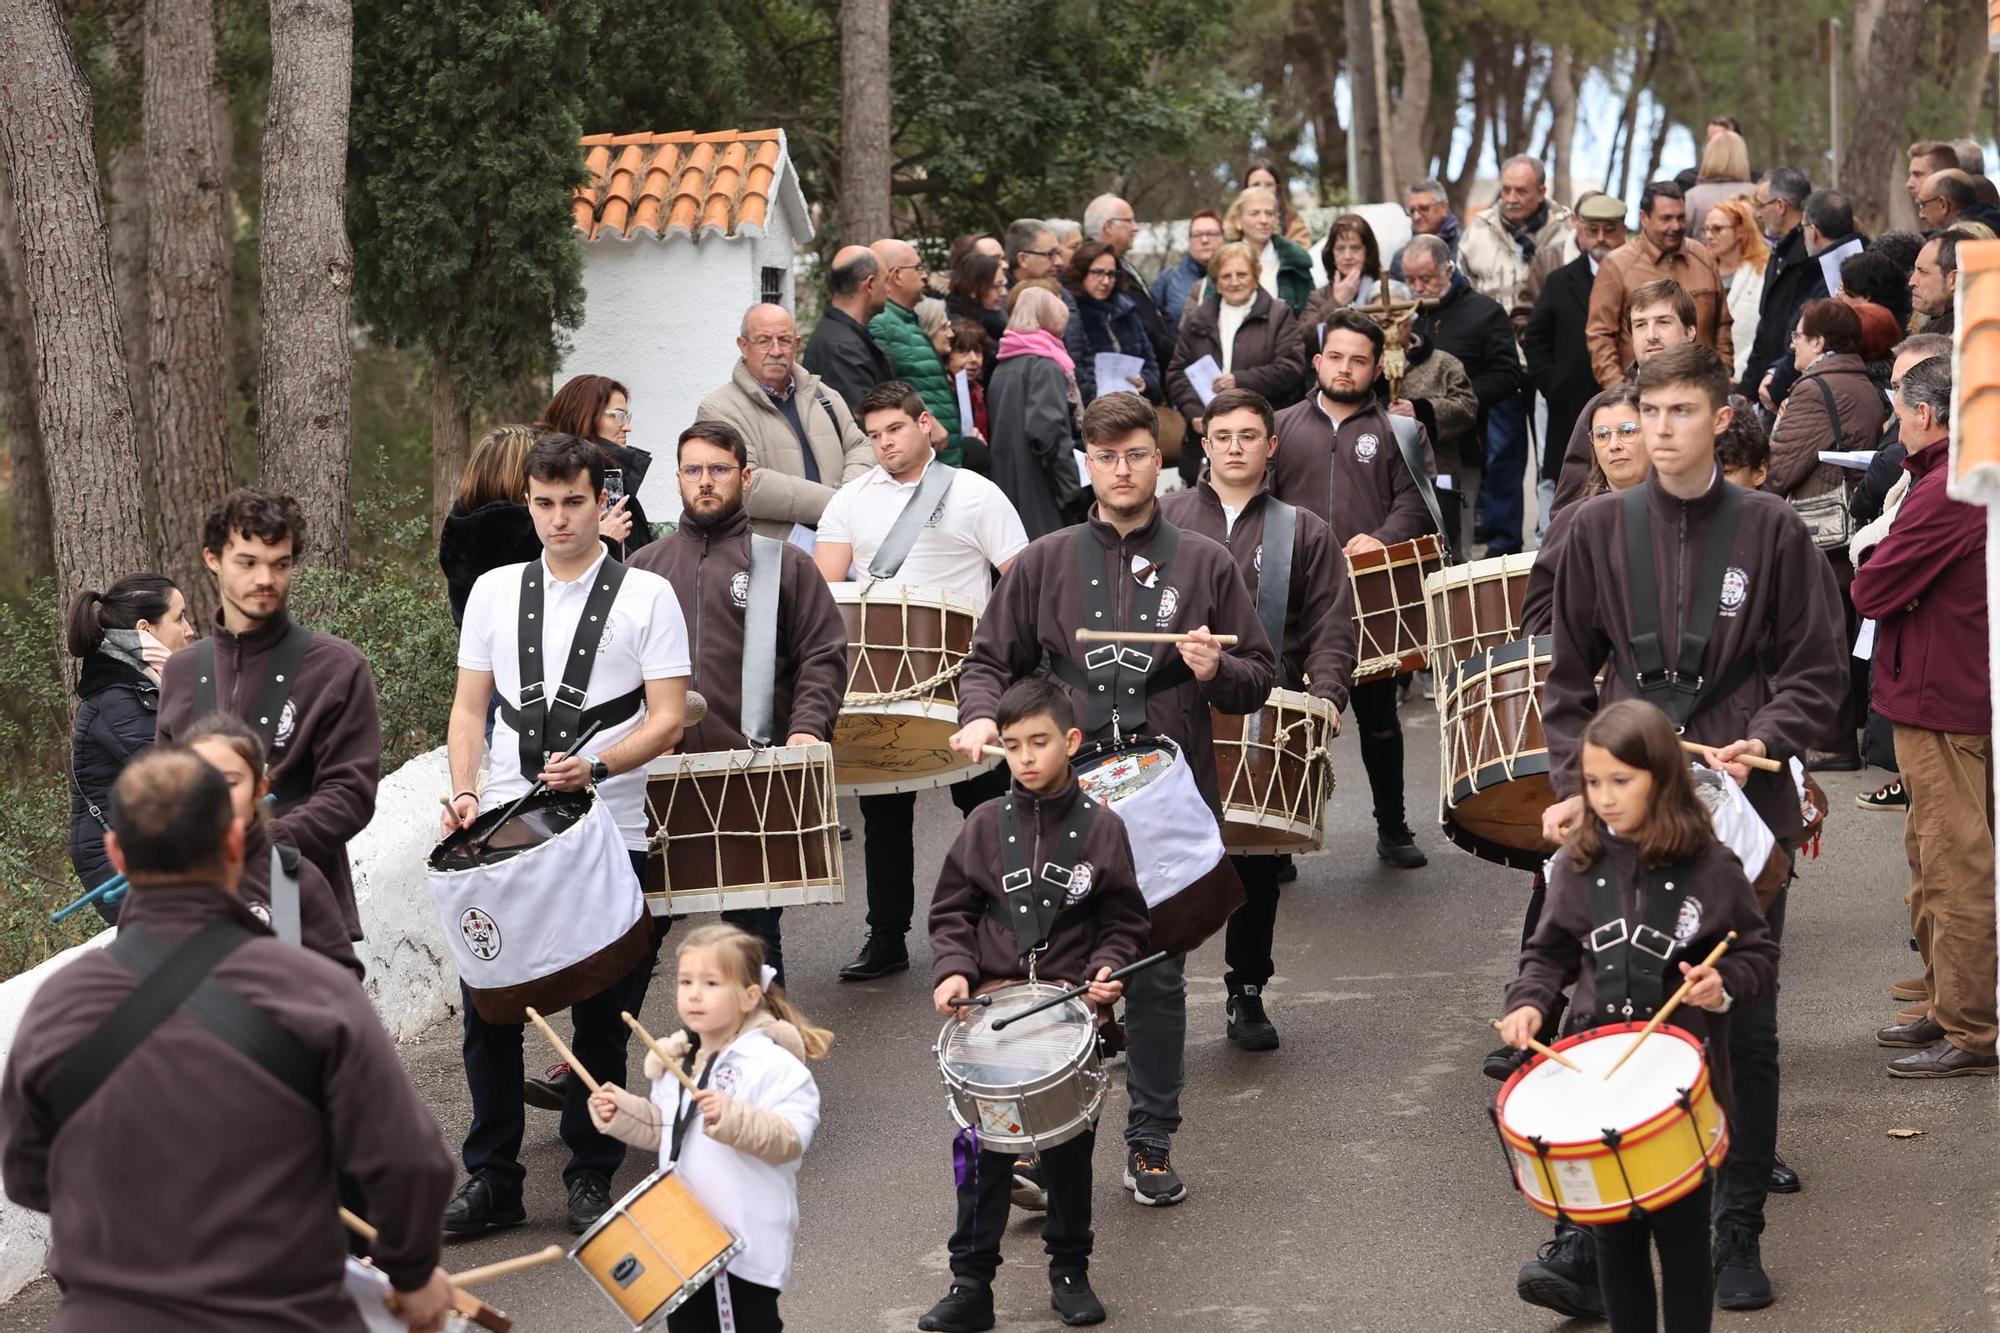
point(1728, 1001)
point(599, 770)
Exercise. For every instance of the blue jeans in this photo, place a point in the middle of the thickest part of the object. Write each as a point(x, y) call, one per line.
point(1499, 522)
point(1156, 1050)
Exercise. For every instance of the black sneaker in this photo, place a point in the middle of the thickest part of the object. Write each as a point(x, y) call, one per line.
point(1499, 1065)
point(966, 1308)
point(1888, 796)
point(480, 1207)
point(1150, 1175)
point(1399, 848)
point(547, 1092)
point(1248, 1026)
point(589, 1199)
point(1071, 1297)
point(1029, 1194)
point(1563, 1277)
point(880, 955)
point(1740, 1283)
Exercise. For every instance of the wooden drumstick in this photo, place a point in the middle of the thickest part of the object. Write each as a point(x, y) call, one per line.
point(1673, 1002)
point(1147, 636)
point(353, 1222)
point(576, 1065)
point(993, 750)
point(1747, 760)
point(487, 1272)
point(660, 1052)
point(1549, 1051)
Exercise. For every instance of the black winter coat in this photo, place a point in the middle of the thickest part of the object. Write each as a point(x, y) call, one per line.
point(1873, 493)
point(1792, 277)
point(499, 532)
point(114, 726)
point(1559, 355)
point(1475, 329)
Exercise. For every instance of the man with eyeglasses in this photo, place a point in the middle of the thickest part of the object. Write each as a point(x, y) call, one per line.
point(1934, 280)
point(801, 439)
point(1030, 250)
point(1128, 567)
point(718, 568)
point(1110, 219)
point(1791, 278)
point(1174, 286)
point(1310, 624)
point(1661, 316)
point(910, 350)
point(1429, 211)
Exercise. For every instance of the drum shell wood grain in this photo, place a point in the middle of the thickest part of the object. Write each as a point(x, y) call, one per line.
point(1274, 792)
point(750, 828)
point(908, 642)
point(1391, 617)
point(1475, 606)
point(675, 1242)
point(1494, 765)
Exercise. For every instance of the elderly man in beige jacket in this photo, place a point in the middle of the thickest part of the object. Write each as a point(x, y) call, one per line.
point(802, 440)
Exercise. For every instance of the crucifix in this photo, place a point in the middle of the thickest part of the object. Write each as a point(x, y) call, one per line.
point(1395, 317)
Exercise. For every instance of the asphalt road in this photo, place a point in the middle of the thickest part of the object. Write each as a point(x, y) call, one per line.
point(1351, 1180)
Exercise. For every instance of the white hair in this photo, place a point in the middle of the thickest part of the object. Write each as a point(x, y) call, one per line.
point(1098, 212)
point(1423, 243)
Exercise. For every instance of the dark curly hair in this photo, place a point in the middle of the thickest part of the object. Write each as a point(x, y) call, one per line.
point(266, 516)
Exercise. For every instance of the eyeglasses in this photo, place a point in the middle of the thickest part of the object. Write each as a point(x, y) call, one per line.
point(1622, 430)
point(1245, 438)
point(1133, 459)
point(1934, 199)
point(1049, 254)
point(773, 342)
point(618, 414)
point(1121, 222)
point(715, 471)
point(1108, 274)
point(1206, 235)
point(902, 268)
point(1415, 209)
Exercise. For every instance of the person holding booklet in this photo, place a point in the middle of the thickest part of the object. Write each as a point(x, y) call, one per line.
point(1238, 337)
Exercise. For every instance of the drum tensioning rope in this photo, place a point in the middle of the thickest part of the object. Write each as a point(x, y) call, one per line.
point(1076, 991)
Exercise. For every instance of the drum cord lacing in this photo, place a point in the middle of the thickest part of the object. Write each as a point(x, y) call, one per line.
point(794, 783)
point(948, 670)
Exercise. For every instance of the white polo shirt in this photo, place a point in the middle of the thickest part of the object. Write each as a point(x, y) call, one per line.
point(972, 533)
point(644, 639)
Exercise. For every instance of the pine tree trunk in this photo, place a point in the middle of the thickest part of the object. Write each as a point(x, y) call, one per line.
point(1413, 108)
point(125, 174)
point(1562, 132)
point(1365, 130)
point(864, 120)
point(451, 442)
point(83, 396)
point(28, 483)
point(307, 365)
point(187, 276)
point(1878, 111)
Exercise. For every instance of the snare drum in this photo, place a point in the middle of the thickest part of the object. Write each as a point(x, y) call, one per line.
point(737, 829)
point(1189, 884)
point(906, 646)
point(1275, 774)
point(1030, 1085)
point(1392, 630)
point(1591, 1149)
point(653, 1249)
point(1476, 606)
point(1494, 770)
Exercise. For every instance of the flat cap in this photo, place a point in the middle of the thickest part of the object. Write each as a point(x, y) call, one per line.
point(1602, 208)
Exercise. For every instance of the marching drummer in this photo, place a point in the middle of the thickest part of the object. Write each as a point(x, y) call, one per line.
point(911, 519)
point(1639, 897)
point(769, 646)
point(1366, 470)
point(187, 1166)
point(1082, 917)
point(624, 648)
point(1724, 614)
point(1308, 615)
point(1129, 569)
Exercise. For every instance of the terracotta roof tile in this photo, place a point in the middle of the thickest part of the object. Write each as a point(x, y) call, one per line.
point(683, 183)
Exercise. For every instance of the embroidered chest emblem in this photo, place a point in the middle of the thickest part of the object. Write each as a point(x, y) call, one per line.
point(1689, 924)
point(1735, 588)
point(1257, 558)
point(482, 934)
point(1365, 447)
point(727, 1076)
point(1080, 877)
point(288, 722)
point(739, 588)
point(1170, 602)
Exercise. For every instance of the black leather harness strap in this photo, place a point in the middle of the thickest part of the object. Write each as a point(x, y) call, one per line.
point(1115, 678)
point(545, 721)
point(1035, 881)
point(1682, 693)
point(1632, 955)
point(1274, 571)
point(266, 711)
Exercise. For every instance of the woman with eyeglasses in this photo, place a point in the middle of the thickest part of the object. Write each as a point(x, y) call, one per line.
point(1253, 337)
point(1110, 323)
point(598, 408)
point(1353, 260)
point(1730, 232)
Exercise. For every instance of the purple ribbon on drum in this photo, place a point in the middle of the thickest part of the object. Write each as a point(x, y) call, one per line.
point(965, 1158)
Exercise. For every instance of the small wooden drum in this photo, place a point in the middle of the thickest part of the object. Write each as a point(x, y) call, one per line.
point(1392, 631)
point(1028, 1086)
point(906, 646)
point(654, 1249)
point(1476, 606)
point(742, 828)
point(1592, 1149)
point(1494, 768)
point(1275, 774)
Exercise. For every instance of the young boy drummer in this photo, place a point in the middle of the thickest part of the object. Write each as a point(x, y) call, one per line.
point(1079, 917)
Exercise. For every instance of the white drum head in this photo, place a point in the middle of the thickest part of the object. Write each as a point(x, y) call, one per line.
point(972, 1051)
point(1561, 1106)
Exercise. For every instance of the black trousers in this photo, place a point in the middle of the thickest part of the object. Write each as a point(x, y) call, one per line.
point(1381, 749)
point(494, 1071)
point(1246, 944)
point(983, 1203)
point(1745, 1178)
point(766, 924)
point(888, 848)
point(752, 1306)
point(1686, 1290)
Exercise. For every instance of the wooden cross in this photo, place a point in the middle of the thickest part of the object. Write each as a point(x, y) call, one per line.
point(1395, 317)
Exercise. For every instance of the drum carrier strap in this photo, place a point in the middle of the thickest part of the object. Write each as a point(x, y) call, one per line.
point(1033, 899)
point(1632, 957)
point(1681, 693)
point(1405, 431)
point(178, 978)
point(760, 639)
point(285, 894)
point(924, 507)
point(267, 710)
point(544, 720)
point(1116, 678)
point(1274, 571)
point(684, 1105)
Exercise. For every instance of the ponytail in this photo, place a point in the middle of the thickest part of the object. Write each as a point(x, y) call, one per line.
point(134, 598)
point(83, 634)
point(817, 1041)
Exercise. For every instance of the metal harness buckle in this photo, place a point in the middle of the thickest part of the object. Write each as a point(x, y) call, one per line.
point(1016, 881)
point(1602, 938)
point(563, 692)
point(1643, 939)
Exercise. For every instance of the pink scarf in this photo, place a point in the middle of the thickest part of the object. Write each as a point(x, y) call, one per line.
point(1041, 342)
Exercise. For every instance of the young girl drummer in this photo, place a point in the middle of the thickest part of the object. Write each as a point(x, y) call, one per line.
point(1644, 864)
point(739, 1142)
